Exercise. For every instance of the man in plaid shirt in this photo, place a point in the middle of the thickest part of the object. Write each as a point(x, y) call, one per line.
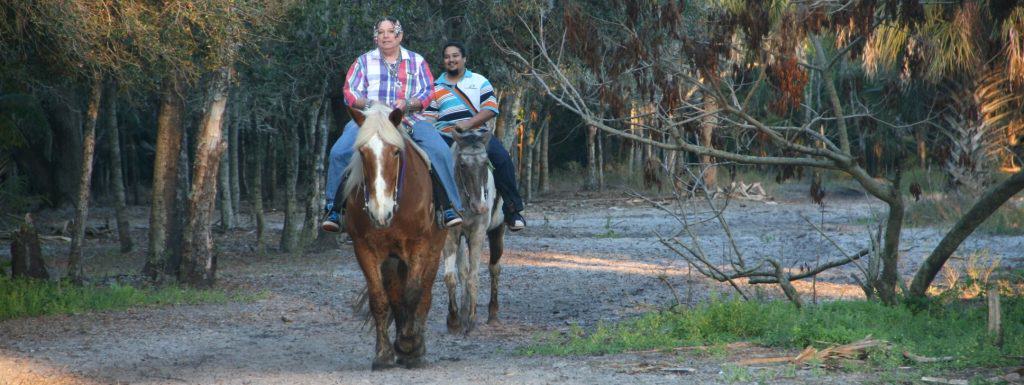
point(399, 78)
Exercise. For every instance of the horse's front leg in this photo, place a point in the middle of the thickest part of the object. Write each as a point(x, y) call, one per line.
point(472, 279)
point(379, 308)
point(451, 247)
point(411, 345)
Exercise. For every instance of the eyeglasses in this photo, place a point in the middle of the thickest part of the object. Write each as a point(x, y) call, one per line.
point(388, 33)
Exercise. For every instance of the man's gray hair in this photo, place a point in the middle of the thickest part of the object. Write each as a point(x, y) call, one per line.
point(393, 20)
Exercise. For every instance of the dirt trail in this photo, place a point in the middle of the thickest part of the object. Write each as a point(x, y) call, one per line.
point(581, 261)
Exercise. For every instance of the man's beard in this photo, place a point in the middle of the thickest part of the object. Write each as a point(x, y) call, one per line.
point(454, 72)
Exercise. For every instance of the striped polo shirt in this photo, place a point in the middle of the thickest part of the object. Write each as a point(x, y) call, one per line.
point(447, 108)
point(369, 78)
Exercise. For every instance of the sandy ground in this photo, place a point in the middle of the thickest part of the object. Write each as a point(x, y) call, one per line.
point(583, 260)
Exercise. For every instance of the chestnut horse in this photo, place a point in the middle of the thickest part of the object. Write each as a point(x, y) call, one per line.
point(397, 241)
point(483, 217)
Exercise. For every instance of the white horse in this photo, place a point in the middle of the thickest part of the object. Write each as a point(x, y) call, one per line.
point(483, 217)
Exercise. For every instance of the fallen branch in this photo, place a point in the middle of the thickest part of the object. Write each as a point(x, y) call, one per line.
point(949, 381)
point(855, 350)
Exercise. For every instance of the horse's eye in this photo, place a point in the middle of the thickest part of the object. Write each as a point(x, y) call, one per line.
point(397, 153)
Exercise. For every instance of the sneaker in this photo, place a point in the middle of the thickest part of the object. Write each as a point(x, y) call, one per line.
point(332, 222)
point(515, 222)
point(452, 218)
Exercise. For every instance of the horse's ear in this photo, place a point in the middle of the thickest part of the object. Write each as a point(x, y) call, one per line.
point(396, 117)
point(357, 116)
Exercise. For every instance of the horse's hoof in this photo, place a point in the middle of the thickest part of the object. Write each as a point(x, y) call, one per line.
point(467, 327)
point(454, 326)
point(454, 329)
point(493, 320)
point(383, 364)
point(412, 362)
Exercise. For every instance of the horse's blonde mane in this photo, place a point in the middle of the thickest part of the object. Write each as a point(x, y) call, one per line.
point(375, 124)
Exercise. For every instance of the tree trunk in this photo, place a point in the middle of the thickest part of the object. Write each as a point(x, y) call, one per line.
point(272, 164)
point(132, 161)
point(257, 189)
point(116, 169)
point(165, 172)
point(965, 226)
point(317, 150)
point(545, 167)
point(506, 132)
point(528, 150)
point(922, 148)
point(227, 209)
point(600, 161)
point(233, 149)
point(591, 158)
point(707, 128)
point(887, 282)
point(290, 233)
point(26, 254)
point(75, 269)
point(199, 264)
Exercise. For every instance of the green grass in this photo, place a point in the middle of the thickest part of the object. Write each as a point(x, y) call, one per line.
point(25, 298)
point(957, 330)
point(1007, 220)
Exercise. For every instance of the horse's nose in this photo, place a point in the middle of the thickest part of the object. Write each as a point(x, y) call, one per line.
point(389, 217)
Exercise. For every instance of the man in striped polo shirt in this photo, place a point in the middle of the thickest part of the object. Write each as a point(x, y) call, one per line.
point(449, 108)
point(397, 77)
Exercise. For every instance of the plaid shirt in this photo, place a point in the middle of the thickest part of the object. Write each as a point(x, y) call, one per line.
point(369, 78)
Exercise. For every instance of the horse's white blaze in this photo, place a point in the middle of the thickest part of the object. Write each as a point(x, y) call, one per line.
point(381, 203)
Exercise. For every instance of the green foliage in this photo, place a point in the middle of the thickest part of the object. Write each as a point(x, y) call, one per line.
point(26, 298)
point(957, 330)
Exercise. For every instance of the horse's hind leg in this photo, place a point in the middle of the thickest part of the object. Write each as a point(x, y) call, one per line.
point(451, 280)
point(496, 243)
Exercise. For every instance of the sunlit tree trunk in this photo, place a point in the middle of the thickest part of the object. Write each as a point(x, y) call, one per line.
point(116, 170)
point(165, 172)
point(199, 264)
point(75, 266)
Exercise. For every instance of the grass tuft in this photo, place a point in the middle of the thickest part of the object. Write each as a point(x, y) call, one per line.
point(26, 298)
point(957, 329)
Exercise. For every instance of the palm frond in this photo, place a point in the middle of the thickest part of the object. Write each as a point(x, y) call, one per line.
point(1013, 36)
point(885, 47)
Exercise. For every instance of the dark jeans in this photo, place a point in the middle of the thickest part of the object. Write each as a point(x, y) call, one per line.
point(504, 175)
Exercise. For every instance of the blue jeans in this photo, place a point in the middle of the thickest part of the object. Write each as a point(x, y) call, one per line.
point(423, 134)
point(504, 175)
